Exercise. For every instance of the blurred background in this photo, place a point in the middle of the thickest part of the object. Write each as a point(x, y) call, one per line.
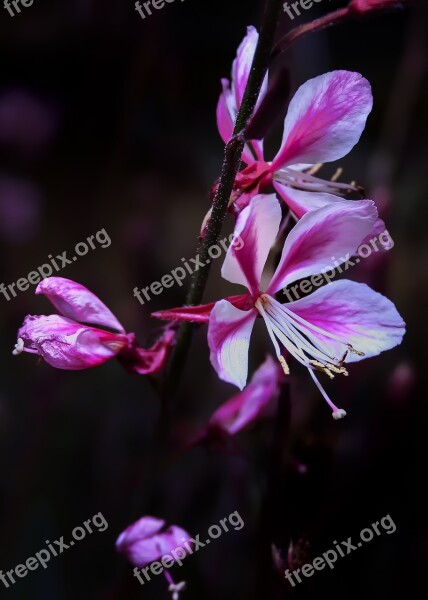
point(108, 121)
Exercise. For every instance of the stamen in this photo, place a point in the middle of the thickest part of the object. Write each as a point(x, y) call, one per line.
point(19, 347)
point(306, 181)
point(338, 413)
point(320, 367)
point(293, 332)
point(338, 370)
point(338, 174)
point(176, 588)
point(354, 351)
point(315, 169)
point(259, 306)
point(284, 365)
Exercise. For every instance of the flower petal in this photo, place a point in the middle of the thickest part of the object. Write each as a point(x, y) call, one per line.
point(242, 64)
point(325, 119)
point(354, 312)
point(76, 302)
point(300, 202)
point(321, 236)
point(202, 312)
point(144, 542)
point(141, 529)
point(226, 117)
point(257, 400)
point(144, 362)
point(65, 344)
point(231, 97)
point(229, 334)
point(256, 229)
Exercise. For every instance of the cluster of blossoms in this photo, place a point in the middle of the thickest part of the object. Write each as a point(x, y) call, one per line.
point(338, 324)
point(341, 322)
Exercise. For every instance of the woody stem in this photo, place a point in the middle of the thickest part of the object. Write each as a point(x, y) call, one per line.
point(231, 164)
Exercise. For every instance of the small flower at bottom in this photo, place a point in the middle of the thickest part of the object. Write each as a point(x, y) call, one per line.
point(147, 540)
point(70, 341)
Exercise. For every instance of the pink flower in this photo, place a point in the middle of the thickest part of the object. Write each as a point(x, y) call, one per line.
point(256, 401)
point(325, 120)
point(147, 540)
point(338, 323)
point(67, 341)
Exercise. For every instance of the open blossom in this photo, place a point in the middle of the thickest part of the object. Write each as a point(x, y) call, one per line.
point(69, 340)
point(325, 120)
point(257, 400)
point(147, 540)
point(339, 323)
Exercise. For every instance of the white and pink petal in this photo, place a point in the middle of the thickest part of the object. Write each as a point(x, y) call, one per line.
point(325, 119)
point(354, 314)
point(256, 229)
point(229, 333)
point(334, 231)
point(76, 302)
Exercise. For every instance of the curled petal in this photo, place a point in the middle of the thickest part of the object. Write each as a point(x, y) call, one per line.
point(142, 529)
point(257, 400)
point(229, 334)
point(356, 314)
point(333, 231)
point(145, 362)
point(65, 344)
point(256, 229)
point(325, 119)
point(76, 302)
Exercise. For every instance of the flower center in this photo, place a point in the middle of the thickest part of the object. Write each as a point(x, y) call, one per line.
point(299, 337)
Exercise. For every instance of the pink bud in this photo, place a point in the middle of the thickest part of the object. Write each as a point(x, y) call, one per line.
point(146, 540)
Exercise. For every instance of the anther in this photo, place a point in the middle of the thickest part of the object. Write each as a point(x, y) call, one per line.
point(354, 351)
point(321, 367)
point(338, 173)
point(284, 365)
point(315, 169)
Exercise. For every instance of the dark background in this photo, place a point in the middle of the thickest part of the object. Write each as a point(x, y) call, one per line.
point(108, 121)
